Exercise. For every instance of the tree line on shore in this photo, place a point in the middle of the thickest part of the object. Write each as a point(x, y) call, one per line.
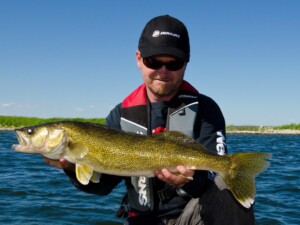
point(19, 121)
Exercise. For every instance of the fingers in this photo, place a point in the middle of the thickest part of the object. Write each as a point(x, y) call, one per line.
point(184, 177)
point(60, 164)
point(185, 172)
point(66, 165)
point(51, 162)
point(177, 179)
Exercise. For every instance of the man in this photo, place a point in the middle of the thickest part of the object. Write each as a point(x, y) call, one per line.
point(167, 102)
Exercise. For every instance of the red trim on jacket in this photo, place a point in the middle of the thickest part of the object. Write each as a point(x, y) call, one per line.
point(186, 86)
point(138, 96)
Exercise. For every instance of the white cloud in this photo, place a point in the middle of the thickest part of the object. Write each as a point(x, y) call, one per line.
point(12, 105)
point(7, 105)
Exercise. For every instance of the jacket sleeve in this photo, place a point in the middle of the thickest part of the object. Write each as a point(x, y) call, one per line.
point(210, 132)
point(107, 182)
point(114, 117)
point(104, 187)
point(211, 127)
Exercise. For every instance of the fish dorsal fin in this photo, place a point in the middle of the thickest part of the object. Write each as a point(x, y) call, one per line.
point(84, 173)
point(176, 136)
point(181, 138)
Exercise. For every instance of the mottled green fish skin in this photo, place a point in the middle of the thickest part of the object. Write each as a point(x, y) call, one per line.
point(116, 152)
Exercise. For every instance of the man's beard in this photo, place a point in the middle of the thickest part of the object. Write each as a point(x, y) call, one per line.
point(164, 91)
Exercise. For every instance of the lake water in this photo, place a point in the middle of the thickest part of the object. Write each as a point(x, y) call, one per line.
point(32, 192)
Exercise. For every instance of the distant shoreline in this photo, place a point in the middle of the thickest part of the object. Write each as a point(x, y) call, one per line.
point(285, 131)
point(13, 122)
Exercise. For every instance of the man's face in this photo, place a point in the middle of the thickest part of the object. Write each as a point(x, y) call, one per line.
point(162, 83)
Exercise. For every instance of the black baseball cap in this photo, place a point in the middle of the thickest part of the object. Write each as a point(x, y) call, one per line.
point(165, 35)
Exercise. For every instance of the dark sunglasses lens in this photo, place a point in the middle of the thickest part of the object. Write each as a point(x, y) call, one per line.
point(152, 63)
point(155, 64)
point(174, 65)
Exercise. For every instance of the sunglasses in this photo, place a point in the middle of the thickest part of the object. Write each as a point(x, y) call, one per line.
point(155, 64)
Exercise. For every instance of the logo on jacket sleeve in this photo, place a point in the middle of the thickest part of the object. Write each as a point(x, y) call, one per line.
point(221, 145)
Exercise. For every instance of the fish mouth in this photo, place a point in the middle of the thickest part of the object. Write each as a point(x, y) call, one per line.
point(23, 142)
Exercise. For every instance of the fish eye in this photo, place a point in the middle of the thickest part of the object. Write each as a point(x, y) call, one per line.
point(30, 131)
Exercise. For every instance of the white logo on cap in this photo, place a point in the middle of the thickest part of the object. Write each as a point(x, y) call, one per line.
point(157, 33)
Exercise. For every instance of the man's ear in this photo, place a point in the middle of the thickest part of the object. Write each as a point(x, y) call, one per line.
point(139, 59)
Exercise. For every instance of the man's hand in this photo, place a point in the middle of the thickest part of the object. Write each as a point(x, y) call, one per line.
point(60, 164)
point(176, 179)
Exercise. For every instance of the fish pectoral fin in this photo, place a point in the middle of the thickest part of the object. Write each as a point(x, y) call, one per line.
point(84, 173)
point(96, 177)
point(77, 151)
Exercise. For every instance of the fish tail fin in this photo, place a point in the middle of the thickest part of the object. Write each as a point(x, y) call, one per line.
point(239, 179)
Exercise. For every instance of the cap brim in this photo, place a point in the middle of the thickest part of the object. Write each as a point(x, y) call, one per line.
point(147, 52)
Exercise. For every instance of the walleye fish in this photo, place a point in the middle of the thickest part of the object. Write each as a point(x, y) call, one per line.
point(97, 149)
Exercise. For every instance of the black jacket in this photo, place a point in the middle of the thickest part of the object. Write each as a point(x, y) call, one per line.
point(189, 112)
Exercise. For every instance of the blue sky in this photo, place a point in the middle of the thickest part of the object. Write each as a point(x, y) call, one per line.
point(62, 58)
